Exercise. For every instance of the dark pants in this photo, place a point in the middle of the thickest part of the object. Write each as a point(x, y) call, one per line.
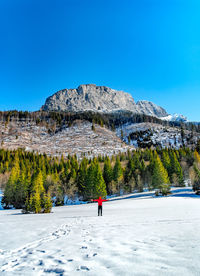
point(99, 210)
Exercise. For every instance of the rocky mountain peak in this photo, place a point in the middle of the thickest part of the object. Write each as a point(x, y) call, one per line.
point(151, 109)
point(83, 88)
point(99, 99)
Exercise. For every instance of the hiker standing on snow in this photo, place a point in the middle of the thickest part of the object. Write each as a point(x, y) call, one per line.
point(100, 201)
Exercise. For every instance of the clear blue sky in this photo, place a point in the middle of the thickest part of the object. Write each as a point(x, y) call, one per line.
point(149, 48)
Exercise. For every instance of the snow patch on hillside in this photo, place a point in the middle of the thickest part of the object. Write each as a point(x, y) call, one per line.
point(157, 135)
point(175, 118)
point(78, 139)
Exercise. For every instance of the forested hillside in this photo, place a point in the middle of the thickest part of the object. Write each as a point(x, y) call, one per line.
point(91, 134)
point(55, 120)
point(30, 181)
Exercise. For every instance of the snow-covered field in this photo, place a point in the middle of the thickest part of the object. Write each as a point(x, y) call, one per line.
point(138, 235)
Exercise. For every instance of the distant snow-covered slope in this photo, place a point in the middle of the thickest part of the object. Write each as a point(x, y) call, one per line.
point(147, 134)
point(175, 118)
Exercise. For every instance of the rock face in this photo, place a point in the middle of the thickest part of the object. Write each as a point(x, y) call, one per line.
point(151, 109)
point(99, 99)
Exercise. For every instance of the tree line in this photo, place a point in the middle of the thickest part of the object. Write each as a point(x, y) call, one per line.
point(56, 120)
point(36, 180)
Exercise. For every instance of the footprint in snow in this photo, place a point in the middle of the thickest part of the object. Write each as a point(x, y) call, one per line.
point(40, 263)
point(50, 257)
point(15, 264)
point(14, 261)
point(87, 256)
point(54, 270)
point(70, 260)
point(83, 267)
point(41, 251)
point(59, 261)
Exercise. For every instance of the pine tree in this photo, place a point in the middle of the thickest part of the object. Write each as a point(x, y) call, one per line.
point(129, 171)
point(160, 179)
point(108, 174)
point(196, 185)
point(136, 161)
point(71, 187)
point(89, 192)
point(81, 176)
point(37, 208)
point(29, 208)
point(37, 194)
point(47, 203)
point(11, 187)
point(21, 190)
point(117, 170)
point(176, 168)
point(95, 185)
point(38, 183)
point(99, 185)
point(166, 160)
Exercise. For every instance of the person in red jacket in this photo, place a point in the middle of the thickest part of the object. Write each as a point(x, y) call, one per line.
point(100, 201)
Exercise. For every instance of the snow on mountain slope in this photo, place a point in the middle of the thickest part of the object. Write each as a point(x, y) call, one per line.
point(175, 118)
point(155, 134)
point(142, 235)
point(81, 140)
point(78, 139)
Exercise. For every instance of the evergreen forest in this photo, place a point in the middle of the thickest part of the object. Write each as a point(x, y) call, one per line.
point(34, 182)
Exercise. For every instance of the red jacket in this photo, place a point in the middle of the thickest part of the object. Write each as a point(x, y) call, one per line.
point(100, 200)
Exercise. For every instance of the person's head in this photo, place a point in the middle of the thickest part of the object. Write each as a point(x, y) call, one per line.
point(99, 197)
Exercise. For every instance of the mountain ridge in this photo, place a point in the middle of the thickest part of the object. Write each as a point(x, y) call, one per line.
point(90, 97)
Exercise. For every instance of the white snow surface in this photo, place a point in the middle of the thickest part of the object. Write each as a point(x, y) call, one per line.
point(137, 235)
point(175, 118)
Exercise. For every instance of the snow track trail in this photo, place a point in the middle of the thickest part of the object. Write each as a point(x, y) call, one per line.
point(135, 236)
point(16, 259)
point(34, 259)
